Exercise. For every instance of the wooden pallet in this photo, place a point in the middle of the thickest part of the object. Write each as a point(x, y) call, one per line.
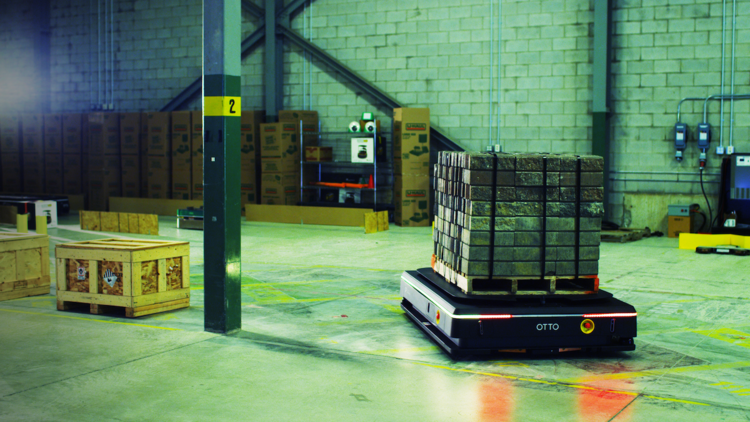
point(141, 276)
point(554, 285)
point(24, 265)
point(625, 235)
point(129, 311)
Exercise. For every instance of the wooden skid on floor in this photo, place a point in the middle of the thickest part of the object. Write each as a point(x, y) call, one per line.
point(130, 312)
point(624, 235)
point(478, 285)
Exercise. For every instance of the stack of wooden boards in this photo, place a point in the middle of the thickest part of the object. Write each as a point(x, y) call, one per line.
point(24, 265)
point(141, 276)
point(120, 222)
point(517, 216)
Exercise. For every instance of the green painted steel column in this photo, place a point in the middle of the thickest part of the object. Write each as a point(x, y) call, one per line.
point(221, 164)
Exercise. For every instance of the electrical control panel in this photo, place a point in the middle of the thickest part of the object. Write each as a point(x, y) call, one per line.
point(680, 139)
point(704, 135)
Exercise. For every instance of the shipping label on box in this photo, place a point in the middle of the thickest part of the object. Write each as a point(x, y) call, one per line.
point(318, 153)
point(411, 200)
point(280, 189)
point(72, 133)
point(131, 176)
point(72, 174)
point(248, 193)
point(677, 225)
point(363, 150)
point(52, 134)
point(10, 131)
point(130, 133)
point(279, 140)
point(10, 164)
point(32, 128)
point(157, 143)
point(53, 173)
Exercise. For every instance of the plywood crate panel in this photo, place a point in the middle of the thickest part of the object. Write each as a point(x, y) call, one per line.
point(142, 276)
point(24, 265)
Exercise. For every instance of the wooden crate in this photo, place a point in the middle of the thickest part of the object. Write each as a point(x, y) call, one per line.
point(24, 265)
point(142, 276)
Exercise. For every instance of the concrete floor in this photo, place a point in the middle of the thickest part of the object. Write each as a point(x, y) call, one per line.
point(324, 339)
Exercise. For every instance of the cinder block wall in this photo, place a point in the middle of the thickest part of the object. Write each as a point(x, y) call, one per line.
point(440, 55)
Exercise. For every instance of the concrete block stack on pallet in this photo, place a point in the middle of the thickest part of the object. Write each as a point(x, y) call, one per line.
point(518, 217)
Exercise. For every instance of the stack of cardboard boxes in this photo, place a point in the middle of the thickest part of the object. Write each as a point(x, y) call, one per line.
point(72, 128)
point(159, 154)
point(411, 147)
point(53, 165)
point(196, 135)
point(130, 148)
point(182, 159)
point(279, 160)
point(104, 159)
point(33, 152)
point(250, 155)
point(10, 153)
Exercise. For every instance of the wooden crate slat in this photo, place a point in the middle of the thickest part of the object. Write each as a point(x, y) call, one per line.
point(127, 280)
point(20, 244)
point(82, 297)
point(162, 283)
point(92, 254)
point(160, 307)
point(17, 294)
point(166, 252)
point(93, 277)
point(62, 274)
point(186, 272)
point(160, 297)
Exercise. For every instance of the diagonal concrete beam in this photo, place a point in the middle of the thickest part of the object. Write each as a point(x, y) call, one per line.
point(253, 9)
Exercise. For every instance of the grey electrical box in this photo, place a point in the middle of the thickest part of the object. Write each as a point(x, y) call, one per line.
point(681, 210)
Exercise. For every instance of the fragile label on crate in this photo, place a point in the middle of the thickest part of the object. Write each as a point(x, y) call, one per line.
point(110, 278)
point(82, 273)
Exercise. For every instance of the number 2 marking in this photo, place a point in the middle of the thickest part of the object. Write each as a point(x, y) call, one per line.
point(231, 107)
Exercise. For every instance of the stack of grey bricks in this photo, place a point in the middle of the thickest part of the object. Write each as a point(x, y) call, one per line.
point(510, 215)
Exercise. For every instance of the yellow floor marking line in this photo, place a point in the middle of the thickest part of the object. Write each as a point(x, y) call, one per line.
point(394, 308)
point(721, 383)
point(561, 384)
point(92, 320)
point(656, 372)
point(737, 338)
point(354, 321)
point(395, 351)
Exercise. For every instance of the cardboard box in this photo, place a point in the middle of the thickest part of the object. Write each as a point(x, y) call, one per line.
point(159, 178)
point(104, 131)
point(197, 154)
point(412, 200)
point(32, 133)
point(53, 134)
point(181, 142)
point(72, 173)
point(85, 173)
point(131, 175)
point(280, 189)
point(10, 163)
point(144, 154)
point(677, 225)
point(33, 173)
point(249, 180)
point(53, 173)
point(157, 143)
point(72, 133)
point(249, 134)
point(411, 139)
point(130, 134)
point(310, 123)
point(104, 181)
point(363, 150)
point(182, 187)
point(318, 153)
point(279, 141)
point(284, 165)
point(10, 134)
